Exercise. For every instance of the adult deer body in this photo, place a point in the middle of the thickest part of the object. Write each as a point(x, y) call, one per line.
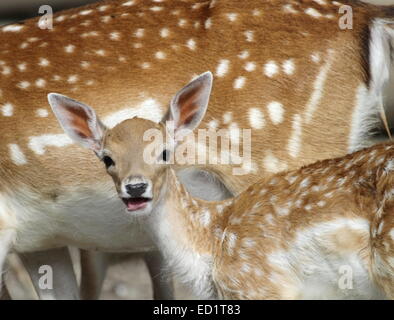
point(128, 57)
point(288, 236)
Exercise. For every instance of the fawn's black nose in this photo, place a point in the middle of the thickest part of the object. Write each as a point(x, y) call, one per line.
point(136, 190)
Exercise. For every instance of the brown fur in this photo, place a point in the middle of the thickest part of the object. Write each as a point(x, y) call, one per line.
point(118, 79)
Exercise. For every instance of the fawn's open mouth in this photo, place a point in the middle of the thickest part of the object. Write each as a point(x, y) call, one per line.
point(134, 204)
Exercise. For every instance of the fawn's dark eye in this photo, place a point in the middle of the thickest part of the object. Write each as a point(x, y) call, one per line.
point(108, 162)
point(165, 155)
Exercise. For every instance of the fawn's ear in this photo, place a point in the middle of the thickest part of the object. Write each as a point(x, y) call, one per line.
point(79, 121)
point(189, 105)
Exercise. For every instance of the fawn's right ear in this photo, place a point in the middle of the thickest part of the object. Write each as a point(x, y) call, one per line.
point(78, 120)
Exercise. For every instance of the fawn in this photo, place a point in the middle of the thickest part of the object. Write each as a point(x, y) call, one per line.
point(289, 236)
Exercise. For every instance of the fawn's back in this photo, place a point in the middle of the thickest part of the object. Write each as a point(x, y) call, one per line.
point(301, 233)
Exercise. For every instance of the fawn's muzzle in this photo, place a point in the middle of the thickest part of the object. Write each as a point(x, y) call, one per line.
point(136, 190)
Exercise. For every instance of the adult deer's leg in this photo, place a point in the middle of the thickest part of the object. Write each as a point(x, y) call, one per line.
point(163, 287)
point(4, 294)
point(6, 238)
point(94, 266)
point(56, 266)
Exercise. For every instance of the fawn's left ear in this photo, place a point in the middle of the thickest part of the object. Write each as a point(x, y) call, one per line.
point(78, 120)
point(189, 105)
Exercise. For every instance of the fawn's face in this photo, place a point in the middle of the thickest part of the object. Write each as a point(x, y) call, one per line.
point(135, 162)
point(138, 180)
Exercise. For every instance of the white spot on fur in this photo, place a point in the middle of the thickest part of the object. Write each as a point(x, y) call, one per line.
point(321, 203)
point(318, 88)
point(149, 109)
point(191, 44)
point(256, 12)
point(222, 68)
point(24, 84)
point(273, 164)
point(42, 113)
point(232, 16)
point(289, 9)
point(321, 2)
point(275, 111)
point(227, 117)
point(129, 3)
point(294, 143)
point(72, 79)
point(43, 62)
point(256, 118)
point(160, 55)
point(288, 67)
point(85, 64)
point(22, 66)
point(39, 143)
point(12, 28)
point(244, 55)
point(205, 218)
point(156, 9)
point(70, 48)
point(249, 35)
point(139, 33)
point(250, 66)
point(239, 83)
point(85, 12)
point(115, 36)
point(315, 57)
point(17, 155)
point(270, 69)
point(392, 234)
point(145, 65)
point(231, 242)
point(208, 23)
point(313, 13)
point(164, 33)
point(182, 22)
point(7, 110)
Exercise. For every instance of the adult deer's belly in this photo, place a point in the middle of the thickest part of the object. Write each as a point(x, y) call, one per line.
point(86, 218)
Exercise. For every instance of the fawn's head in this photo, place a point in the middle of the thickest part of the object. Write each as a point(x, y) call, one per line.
point(123, 149)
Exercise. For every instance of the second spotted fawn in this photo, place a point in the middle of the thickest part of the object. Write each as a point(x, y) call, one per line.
point(325, 231)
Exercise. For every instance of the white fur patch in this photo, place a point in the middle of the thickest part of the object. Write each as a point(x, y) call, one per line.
point(270, 69)
point(250, 66)
point(289, 9)
point(42, 113)
point(16, 154)
point(361, 119)
point(149, 109)
point(12, 28)
point(313, 13)
point(256, 118)
point(38, 144)
point(222, 68)
point(239, 83)
point(7, 110)
point(294, 144)
point(275, 111)
point(318, 87)
point(128, 3)
point(288, 67)
point(273, 164)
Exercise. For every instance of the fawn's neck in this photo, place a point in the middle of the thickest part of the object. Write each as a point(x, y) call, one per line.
point(188, 231)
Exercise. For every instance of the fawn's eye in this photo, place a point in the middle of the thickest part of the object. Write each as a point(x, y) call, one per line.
point(165, 155)
point(108, 162)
